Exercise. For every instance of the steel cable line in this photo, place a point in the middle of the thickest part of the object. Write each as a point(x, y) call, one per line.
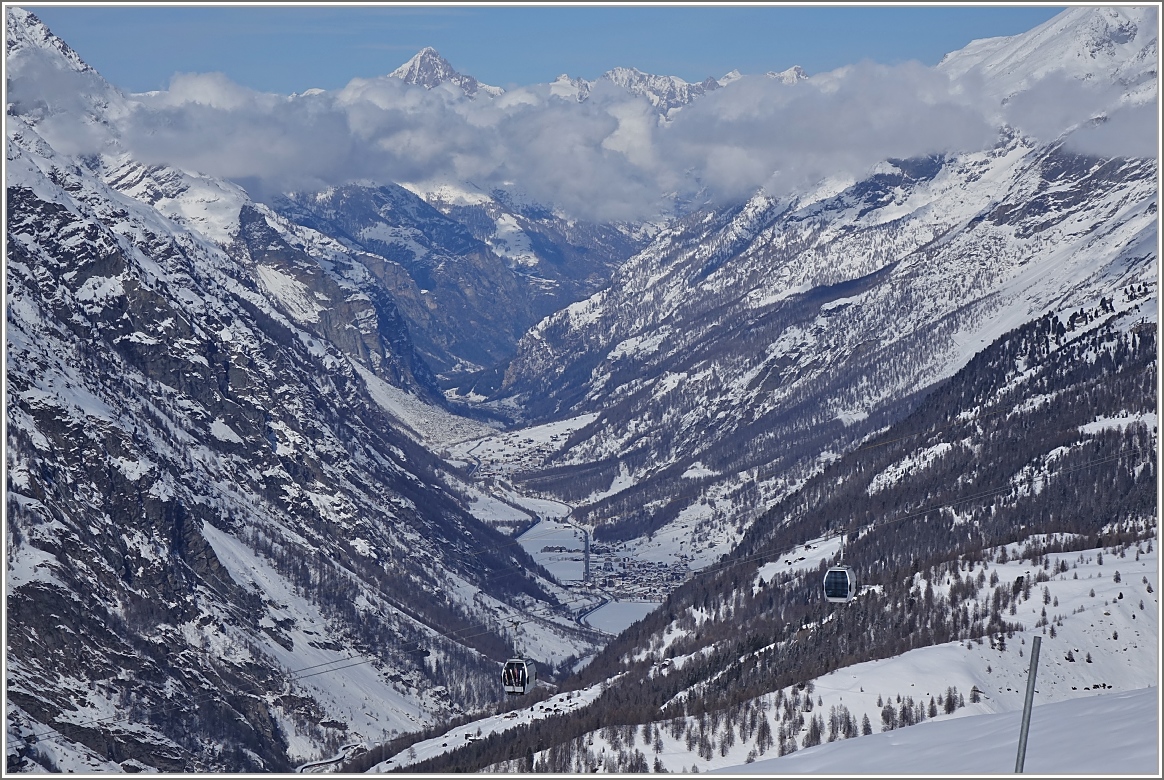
point(417, 644)
point(944, 505)
point(297, 674)
point(458, 638)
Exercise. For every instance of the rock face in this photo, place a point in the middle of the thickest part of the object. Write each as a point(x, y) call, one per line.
point(468, 277)
point(459, 299)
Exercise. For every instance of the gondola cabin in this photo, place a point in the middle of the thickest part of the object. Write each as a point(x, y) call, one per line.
point(518, 676)
point(840, 584)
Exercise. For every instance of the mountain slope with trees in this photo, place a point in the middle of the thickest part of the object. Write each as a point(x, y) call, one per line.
point(1046, 445)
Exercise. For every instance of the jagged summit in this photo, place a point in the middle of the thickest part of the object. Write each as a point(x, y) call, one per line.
point(25, 32)
point(664, 92)
point(566, 87)
point(789, 76)
point(35, 57)
point(429, 69)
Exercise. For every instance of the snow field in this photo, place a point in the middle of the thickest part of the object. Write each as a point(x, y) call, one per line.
point(1116, 734)
point(346, 685)
point(566, 565)
point(561, 703)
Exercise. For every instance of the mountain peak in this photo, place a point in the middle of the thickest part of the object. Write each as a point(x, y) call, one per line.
point(1086, 43)
point(25, 33)
point(664, 92)
point(36, 57)
point(789, 76)
point(429, 69)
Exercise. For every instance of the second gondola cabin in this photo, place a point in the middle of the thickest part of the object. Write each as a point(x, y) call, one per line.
point(519, 676)
point(840, 584)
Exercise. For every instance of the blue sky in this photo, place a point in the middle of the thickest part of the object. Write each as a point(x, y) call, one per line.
point(288, 49)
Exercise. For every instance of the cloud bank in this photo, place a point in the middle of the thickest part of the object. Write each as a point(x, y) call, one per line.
point(610, 156)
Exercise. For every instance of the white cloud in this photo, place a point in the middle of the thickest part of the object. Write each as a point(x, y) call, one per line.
point(209, 89)
point(760, 131)
point(608, 156)
point(1131, 131)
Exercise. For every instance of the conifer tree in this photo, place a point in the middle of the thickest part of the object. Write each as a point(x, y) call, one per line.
point(763, 734)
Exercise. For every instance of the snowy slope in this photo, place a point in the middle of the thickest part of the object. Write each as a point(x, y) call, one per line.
point(1122, 677)
point(562, 703)
point(739, 323)
point(1086, 43)
point(1113, 734)
point(1115, 692)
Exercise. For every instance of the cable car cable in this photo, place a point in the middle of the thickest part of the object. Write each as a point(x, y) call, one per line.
point(296, 675)
point(920, 513)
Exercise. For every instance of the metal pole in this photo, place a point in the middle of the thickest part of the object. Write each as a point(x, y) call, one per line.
point(586, 555)
point(1022, 749)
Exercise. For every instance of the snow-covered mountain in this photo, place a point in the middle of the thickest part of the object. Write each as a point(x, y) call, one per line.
point(469, 272)
point(429, 69)
point(664, 92)
point(745, 346)
point(245, 532)
point(463, 304)
point(857, 302)
point(216, 489)
point(789, 76)
point(1105, 45)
